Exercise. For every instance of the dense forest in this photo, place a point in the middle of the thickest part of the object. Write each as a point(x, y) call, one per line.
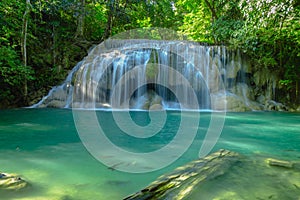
point(42, 40)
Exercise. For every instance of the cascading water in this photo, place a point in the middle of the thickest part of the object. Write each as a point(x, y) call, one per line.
point(149, 74)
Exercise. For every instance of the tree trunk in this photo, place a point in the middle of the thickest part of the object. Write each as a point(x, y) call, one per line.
point(212, 10)
point(108, 30)
point(80, 21)
point(24, 44)
point(214, 16)
point(297, 92)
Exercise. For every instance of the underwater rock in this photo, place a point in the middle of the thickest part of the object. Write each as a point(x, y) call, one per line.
point(279, 163)
point(11, 182)
point(181, 182)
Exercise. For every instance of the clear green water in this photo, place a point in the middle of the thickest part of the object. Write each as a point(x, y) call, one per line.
point(43, 147)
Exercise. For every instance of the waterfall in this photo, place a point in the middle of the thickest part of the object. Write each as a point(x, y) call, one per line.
point(150, 74)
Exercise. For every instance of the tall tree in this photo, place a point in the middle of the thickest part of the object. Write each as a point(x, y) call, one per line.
point(81, 19)
point(24, 42)
point(112, 7)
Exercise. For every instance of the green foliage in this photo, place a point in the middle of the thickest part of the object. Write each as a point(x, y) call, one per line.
point(12, 74)
point(196, 22)
point(96, 19)
point(11, 12)
point(267, 31)
point(132, 14)
point(11, 69)
point(271, 37)
point(61, 32)
point(225, 30)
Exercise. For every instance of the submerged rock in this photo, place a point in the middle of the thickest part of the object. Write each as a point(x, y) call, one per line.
point(11, 182)
point(180, 183)
point(279, 163)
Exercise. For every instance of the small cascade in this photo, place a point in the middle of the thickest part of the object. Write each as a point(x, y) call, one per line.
point(59, 96)
point(150, 74)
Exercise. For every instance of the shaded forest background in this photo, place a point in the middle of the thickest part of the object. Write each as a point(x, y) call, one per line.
point(42, 40)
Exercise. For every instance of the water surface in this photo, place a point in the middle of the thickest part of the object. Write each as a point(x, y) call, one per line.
point(43, 147)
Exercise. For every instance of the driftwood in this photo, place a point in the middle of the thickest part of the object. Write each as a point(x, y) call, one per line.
point(181, 182)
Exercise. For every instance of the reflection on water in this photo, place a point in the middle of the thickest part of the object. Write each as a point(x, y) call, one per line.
point(42, 146)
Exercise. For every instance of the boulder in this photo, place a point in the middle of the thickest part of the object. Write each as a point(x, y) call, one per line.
point(276, 106)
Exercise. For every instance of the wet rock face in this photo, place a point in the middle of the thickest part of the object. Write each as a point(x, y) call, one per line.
point(11, 182)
